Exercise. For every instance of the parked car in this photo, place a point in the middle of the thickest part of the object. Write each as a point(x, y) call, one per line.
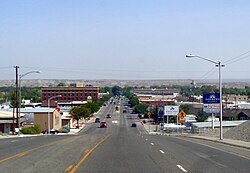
point(52, 131)
point(97, 120)
point(108, 116)
point(103, 124)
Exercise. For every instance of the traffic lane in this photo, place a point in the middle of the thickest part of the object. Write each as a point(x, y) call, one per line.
point(126, 152)
point(17, 145)
point(197, 157)
point(228, 148)
point(56, 157)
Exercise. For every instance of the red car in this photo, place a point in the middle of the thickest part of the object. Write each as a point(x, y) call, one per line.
point(103, 124)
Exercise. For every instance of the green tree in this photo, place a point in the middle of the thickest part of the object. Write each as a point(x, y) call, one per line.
point(141, 108)
point(134, 101)
point(202, 116)
point(185, 108)
point(61, 84)
point(116, 90)
point(92, 106)
point(79, 112)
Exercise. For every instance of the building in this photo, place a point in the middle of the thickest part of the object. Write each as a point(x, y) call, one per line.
point(32, 116)
point(69, 94)
point(156, 97)
point(8, 121)
point(164, 92)
point(233, 101)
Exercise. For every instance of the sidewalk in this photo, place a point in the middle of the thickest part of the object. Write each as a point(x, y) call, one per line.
point(73, 131)
point(151, 129)
point(232, 142)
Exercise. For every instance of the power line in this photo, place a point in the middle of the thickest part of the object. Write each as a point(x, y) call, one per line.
point(237, 58)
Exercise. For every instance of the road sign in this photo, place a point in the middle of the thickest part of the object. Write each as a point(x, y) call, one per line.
point(211, 98)
point(182, 114)
point(171, 110)
point(181, 121)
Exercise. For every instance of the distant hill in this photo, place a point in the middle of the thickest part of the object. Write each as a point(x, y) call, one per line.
point(123, 83)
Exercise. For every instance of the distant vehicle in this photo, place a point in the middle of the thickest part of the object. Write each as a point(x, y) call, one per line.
point(108, 116)
point(103, 124)
point(97, 120)
point(124, 111)
point(133, 125)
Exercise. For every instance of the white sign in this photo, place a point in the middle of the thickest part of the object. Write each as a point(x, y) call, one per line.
point(171, 110)
point(211, 108)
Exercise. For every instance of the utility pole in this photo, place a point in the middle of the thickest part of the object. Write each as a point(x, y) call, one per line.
point(17, 96)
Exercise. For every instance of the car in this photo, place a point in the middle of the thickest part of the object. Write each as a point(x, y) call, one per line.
point(108, 116)
point(133, 125)
point(103, 124)
point(97, 120)
point(52, 131)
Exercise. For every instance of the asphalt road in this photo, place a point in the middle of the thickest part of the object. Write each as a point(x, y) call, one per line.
point(118, 148)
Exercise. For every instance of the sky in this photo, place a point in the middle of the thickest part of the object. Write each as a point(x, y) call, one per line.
point(130, 40)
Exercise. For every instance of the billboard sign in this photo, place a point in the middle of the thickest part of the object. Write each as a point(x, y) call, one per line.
point(171, 110)
point(211, 98)
point(211, 108)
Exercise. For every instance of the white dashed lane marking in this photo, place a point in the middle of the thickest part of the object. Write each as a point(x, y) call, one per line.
point(181, 168)
point(162, 151)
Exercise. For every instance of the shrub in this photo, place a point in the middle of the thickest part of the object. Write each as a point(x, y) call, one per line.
point(32, 130)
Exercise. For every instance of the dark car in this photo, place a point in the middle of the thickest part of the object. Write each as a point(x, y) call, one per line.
point(108, 116)
point(52, 131)
point(103, 124)
point(133, 125)
point(97, 120)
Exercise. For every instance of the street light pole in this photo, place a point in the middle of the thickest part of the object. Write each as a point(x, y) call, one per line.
point(49, 110)
point(19, 101)
point(218, 64)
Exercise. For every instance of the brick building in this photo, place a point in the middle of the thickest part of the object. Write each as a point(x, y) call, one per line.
point(70, 94)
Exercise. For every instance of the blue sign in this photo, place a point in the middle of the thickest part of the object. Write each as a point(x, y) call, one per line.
point(211, 98)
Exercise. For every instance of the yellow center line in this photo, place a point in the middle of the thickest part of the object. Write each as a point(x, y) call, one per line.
point(88, 153)
point(29, 151)
point(68, 168)
point(87, 150)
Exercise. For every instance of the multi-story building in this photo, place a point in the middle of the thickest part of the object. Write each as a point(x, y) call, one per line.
point(69, 94)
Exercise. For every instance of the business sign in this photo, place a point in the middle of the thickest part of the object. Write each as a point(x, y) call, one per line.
point(211, 98)
point(211, 108)
point(171, 110)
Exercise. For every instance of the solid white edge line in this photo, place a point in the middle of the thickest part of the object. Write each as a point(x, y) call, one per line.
point(162, 151)
point(181, 168)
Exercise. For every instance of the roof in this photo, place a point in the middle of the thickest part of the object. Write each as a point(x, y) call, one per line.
point(32, 110)
point(5, 114)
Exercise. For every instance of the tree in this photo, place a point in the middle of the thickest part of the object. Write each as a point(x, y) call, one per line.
point(61, 84)
point(185, 108)
point(92, 106)
point(202, 116)
point(141, 108)
point(134, 101)
point(116, 90)
point(79, 112)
